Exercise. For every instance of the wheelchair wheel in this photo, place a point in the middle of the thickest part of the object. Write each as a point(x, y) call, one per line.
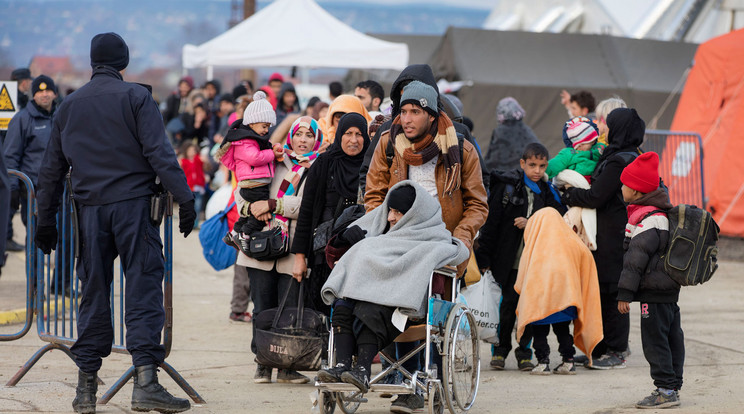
point(348, 402)
point(461, 370)
point(435, 403)
point(326, 402)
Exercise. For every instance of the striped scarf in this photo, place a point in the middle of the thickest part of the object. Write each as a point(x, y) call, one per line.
point(440, 139)
point(300, 163)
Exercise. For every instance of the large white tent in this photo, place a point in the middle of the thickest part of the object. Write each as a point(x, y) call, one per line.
point(295, 33)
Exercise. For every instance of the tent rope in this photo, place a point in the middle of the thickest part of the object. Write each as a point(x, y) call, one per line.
point(717, 122)
point(731, 205)
point(677, 87)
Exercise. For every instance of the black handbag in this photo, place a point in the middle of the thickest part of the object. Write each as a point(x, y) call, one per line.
point(325, 230)
point(291, 338)
point(321, 236)
point(269, 244)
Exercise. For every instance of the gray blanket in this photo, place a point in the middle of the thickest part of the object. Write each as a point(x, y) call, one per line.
point(393, 269)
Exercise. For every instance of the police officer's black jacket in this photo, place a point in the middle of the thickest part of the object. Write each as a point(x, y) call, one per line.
point(112, 135)
point(27, 139)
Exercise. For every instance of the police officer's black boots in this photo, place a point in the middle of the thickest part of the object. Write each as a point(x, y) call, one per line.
point(85, 393)
point(149, 395)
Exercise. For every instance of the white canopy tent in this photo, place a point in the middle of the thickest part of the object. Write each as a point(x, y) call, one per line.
point(295, 33)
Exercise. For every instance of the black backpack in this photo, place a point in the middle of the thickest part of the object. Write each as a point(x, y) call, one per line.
point(691, 257)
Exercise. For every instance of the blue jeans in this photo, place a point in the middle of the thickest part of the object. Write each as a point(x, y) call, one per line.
point(198, 201)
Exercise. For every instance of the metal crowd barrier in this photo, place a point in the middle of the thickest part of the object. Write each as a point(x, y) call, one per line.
point(30, 262)
point(680, 164)
point(56, 304)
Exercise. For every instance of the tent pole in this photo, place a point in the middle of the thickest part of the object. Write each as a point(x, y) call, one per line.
point(305, 75)
point(210, 72)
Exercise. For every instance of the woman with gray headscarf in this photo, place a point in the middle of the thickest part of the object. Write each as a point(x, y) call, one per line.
point(509, 138)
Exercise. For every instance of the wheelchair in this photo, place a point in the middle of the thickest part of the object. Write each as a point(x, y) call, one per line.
point(452, 329)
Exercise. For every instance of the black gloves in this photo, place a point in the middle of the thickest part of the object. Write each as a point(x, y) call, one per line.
point(46, 238)
point(352, 235)
point(566, 197)
point(186, 217)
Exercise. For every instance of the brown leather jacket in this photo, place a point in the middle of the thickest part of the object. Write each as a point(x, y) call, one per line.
point(464, 212)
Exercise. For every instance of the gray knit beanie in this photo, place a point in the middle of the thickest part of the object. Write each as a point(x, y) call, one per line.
point(260, 110)
point(421, 94)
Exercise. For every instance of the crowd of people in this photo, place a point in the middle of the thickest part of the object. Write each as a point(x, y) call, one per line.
point(416, 171)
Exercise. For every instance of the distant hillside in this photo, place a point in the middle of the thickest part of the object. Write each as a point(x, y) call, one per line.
point(157, 29)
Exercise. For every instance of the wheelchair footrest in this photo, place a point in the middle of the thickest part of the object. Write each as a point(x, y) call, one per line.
point(382, 388)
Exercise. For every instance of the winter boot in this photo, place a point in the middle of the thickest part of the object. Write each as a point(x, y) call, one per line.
point(85, 393)
point(149, 395)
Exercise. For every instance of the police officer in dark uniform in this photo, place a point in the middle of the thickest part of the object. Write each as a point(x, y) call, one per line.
point(111, 133)
point(23, 77)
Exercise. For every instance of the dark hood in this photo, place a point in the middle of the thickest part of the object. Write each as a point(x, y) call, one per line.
point(658, 198)
point(288, 87)
point(419, 72)
point(513, 177)
point(238, 132)
point(626, 131)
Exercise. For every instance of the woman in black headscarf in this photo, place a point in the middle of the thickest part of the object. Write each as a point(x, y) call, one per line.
point(626, 132)
point(331, 186)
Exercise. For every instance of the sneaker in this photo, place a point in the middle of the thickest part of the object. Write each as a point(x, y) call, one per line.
point(525, 365)
point(498, 362)
point(12, 246)
point(408, 403)
point(658, 399)
point(625, 354)
point(390, 379)
point(288, 376)
point(263, 375)
point(581, 360)
point(565, 368)
point(542, 368)
point(332, 374)
point(228, 240)
point(241, 316)
point(242, 242)
point(608, 361)
point(358, 377)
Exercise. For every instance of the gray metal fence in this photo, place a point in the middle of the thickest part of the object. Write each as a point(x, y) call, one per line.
point(680, 164)
point(52, 294)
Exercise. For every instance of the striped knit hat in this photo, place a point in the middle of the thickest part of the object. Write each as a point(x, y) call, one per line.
point(260, 110)
point(581, 133)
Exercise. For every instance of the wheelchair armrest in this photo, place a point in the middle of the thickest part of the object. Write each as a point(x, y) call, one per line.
point(448, 271)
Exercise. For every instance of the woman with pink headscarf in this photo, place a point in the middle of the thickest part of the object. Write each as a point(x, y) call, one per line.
point(269, 280)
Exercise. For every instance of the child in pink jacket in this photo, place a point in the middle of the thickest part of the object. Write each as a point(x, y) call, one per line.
point(249, 154)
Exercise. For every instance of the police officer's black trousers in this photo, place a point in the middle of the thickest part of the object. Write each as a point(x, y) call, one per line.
point(663, 343)
point(122, 229)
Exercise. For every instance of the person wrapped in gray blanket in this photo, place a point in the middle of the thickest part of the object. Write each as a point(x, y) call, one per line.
point(395, 248)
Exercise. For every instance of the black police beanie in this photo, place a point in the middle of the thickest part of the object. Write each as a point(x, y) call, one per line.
point(42, 83)
point(402, 198)
point(20, 74)
point(109, 49)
